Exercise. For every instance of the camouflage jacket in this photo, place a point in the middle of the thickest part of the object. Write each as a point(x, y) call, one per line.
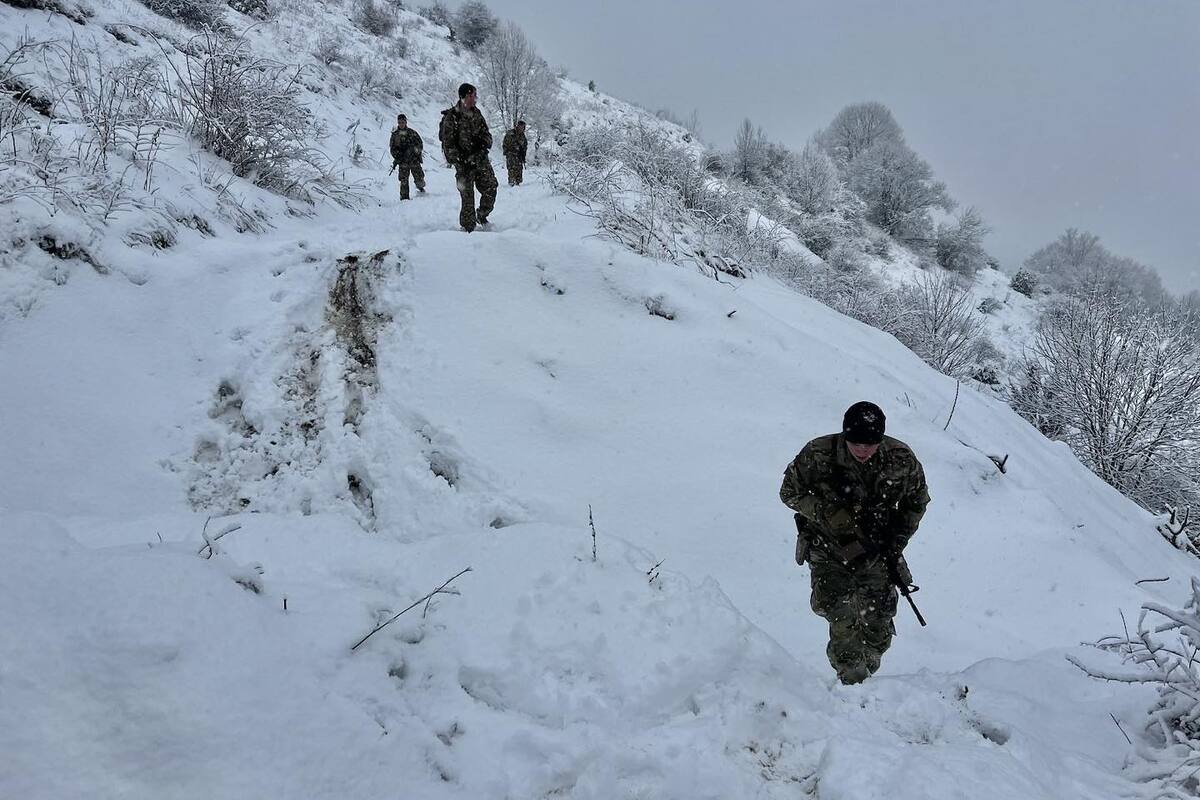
point(406, 146)
point(851, 509)
point(464, 135)
point(515, 145)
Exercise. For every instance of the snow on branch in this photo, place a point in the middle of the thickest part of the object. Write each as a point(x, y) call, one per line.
point(1166, 655)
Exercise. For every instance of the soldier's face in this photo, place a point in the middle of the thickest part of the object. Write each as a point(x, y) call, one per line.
point(469, 100)
point(862, 452)
point(402, 123)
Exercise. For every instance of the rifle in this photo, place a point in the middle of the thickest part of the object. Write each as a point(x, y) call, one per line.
point(393, 169)
point(905, 589)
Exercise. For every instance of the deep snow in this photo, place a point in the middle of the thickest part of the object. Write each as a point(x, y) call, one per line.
point(516, 376)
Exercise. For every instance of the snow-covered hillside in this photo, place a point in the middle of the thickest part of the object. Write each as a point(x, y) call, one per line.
point(366, 402)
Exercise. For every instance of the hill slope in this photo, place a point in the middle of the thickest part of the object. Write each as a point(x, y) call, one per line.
point(376, 422)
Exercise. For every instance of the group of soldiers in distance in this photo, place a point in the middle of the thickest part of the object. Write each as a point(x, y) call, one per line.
point(858, 495)
point(466, 142)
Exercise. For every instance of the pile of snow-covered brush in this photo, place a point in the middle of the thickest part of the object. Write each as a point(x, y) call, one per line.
point(651, 195)
point(1164, 652)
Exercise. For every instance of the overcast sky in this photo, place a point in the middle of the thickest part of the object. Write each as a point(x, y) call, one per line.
point(1045, 114)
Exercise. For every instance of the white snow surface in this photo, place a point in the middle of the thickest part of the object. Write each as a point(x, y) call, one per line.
point(518, 379)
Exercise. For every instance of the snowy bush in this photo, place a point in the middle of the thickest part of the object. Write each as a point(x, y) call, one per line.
point(474, 24)
point(248, 111)
point(198, 14)
point(1119, 381)
point(1024, 282)
point(812, 180)
point(651, 195)
point(258, 9)
point(1164, 653)
point(959, 246)
point(990, 305)
point(375, 18)
point(846, 257)
point(437, 13)
point(330, 48)
point(942, 325)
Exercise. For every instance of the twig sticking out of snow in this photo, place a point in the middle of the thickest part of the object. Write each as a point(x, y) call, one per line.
point(957, 388)
point(210, 541)
point(592, 523)
point(426, 599)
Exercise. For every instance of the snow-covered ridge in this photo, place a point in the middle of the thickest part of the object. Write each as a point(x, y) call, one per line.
point(376, 401)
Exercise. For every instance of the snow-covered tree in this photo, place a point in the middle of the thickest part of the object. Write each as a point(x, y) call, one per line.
point(811, 180)
point(748, 160)
point(899, 189)
point(517, 80)
point(959, 245)
point(857, 128)
point(1077, 259)
point(1119, 381)
point(474, 24)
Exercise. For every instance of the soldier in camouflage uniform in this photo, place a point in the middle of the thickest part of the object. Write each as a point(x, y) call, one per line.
point(515, 147)
point(407, 152)
point(859, 497)
point(466, 141)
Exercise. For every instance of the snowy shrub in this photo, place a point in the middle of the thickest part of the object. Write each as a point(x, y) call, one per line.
point(845, 257)
point(398, 49)
point(198, 14)
point(330, 48)
point(375, 76)
point(474, 24)
point(990, 305)
point(959, 246)
point(258, 9)
point(942, 325)
point(651, 195)
point(1024, 282)
point(1119, 381)
point(821, 232)
point(437, 13)
point(374, 17)
point(1163, 653)
point(812, 180)
point(248, 111)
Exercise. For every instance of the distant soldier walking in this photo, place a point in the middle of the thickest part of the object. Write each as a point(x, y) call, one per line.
point(515, 147)
point(859, 497)
point(466, 141)
point(407, 152)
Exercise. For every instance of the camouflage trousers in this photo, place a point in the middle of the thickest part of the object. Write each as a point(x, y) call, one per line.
point(468, 178)
point(859, 602)
point(418, 176)
point(516, 171)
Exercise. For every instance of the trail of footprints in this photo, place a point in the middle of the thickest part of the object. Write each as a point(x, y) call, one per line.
point(324, 390)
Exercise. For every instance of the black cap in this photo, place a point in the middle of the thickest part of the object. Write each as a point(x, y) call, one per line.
point(863, 423)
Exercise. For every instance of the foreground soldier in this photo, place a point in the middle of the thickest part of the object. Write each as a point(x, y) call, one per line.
point(406, 146)
point(859, 497)
point(515, 147)
point(466, 141)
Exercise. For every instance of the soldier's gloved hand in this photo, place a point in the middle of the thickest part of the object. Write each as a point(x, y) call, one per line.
point(840, 519)
point(902, 571)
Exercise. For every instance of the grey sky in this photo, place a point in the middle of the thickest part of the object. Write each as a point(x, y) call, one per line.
point(1043, 113)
